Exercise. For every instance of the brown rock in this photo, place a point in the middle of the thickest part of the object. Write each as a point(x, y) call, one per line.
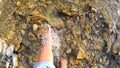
point(69, 23)
point(76, 30)
point(73, 61)
point(81, 54)
point(35, 27)
point(15, 60)
point(116, 47)
point(68, 50)
point(56, 22)
point(25, 42)
point(31, 36)
point(22, 32)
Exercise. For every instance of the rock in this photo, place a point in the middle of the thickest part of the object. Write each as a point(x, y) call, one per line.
point(10, 50)
point(15, 60)
point(118, 24)
point(22, 48)
point(69, 23)
point(73, 61)
point(75, 30)
point(10, 34)
point(18, 4)
point(36, 18)
point(35, 12)
point(31, 6)
point(67, 10)
point(35, 27)
point(116, 48)
point(22, 32)
point(25, 42)
point(81, 54)
point(91, 15)
point(98, 47)
point(58, 23)
point(24, 26)
point(31, 36)
point(68, 51)
point(3, 47)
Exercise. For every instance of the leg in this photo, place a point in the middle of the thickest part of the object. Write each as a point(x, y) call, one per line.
point(46, 52)
point(63, 62)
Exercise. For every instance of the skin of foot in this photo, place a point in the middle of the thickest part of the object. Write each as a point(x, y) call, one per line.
point(63, 62)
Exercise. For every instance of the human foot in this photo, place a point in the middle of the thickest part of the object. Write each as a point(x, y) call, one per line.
point(63, 62)
point(48, 37)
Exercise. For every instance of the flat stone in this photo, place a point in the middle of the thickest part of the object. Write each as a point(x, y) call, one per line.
point(68, 50)
point(15, 60)
point(25, 42)
point(73, 61)
point(116, 48)
point(22, 32)
point(81, 54)
point(56, 22)
point(9, 51)
point(31, 36)
point(35, 27)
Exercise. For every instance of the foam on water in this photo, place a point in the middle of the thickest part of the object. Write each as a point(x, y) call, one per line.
point(56, 41)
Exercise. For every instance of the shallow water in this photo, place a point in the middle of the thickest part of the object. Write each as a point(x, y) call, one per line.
point(87, 32)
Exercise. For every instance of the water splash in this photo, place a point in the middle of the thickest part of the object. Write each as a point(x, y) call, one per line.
point(56, 42)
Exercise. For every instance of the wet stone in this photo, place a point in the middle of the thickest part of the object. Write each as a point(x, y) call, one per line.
point(73, 61)
point(68, 50)
point(9, 51)
point(81, 54)
point(85, 28)
point(116, 48)
point(31, 36)
point(22, 32)
point(15, 60)
point(56, 22)
point(35, 27)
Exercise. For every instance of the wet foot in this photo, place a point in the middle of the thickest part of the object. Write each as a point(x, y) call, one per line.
point(63, 62)
point(48, 37)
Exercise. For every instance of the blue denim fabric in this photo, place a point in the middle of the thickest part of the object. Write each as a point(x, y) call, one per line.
point(44, 65)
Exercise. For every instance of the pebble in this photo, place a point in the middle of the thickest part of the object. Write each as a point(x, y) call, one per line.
point(25, 42)
point(31, 36)
point(81, 54)
point(22, 32)
point(18, 4)
point(3, 46)
point(56, 22)
point(35, 12)
point(68, 51)
point(35, 27)
point(9, 51)
point(15, 60)
point(73, 61)
point(116, 48)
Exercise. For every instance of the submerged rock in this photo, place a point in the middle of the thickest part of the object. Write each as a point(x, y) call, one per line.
point(35, 27)
point(15, 60)
point(9, 51)
point(31, 36)
point(81, 54)
point(56, 22)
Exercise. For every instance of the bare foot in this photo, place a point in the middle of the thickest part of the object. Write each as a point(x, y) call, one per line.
point(63, 62)
point(48, 35)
